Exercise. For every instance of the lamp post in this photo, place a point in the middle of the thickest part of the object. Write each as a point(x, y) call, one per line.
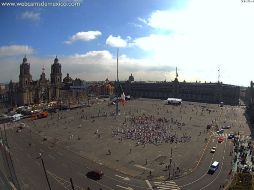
point(45, 172)
point(170, 162)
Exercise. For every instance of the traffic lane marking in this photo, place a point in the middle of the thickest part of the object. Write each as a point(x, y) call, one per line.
point(220, 169)
point(142, 167)
point(149, 184)
point(124, 178)
point(128, 188)
point(205, 166)
point(214, 177)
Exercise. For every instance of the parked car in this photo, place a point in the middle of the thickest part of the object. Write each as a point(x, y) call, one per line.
point(213, 149)
point(95, 175)
point(231, 136)
point(220, 131)
point(226, 127)
point(220, 139)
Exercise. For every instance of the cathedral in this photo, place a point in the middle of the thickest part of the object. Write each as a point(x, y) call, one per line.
point(27, 91)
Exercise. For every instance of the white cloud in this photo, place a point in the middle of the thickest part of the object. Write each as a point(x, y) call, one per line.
point(84, 36)
point(201, 36)
point(144, 21)
point(92, 65)
point(94, 55)
point(14, 50)
point(31, 15)
point(116, 41)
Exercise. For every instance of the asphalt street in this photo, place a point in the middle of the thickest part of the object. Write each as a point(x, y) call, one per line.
point(61, 165)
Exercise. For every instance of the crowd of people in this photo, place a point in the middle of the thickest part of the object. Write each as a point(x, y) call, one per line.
point(149, 129)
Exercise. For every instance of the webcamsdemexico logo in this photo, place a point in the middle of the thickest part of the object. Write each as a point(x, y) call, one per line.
point(40, 4)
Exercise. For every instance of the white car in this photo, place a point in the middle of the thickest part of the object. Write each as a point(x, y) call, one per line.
point(213, 149)
point(220, 131)
point(226, 127)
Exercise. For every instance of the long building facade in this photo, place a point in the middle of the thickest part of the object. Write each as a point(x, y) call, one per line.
point(27, 91)
point(196, 92)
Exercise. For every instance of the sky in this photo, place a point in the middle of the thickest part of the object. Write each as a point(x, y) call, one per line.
point(207, 40)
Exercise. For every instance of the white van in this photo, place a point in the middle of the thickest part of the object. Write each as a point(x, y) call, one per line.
point(17, 117)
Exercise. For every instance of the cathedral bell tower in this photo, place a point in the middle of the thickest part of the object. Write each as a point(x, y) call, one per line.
point(56, 79)
point(25, 80)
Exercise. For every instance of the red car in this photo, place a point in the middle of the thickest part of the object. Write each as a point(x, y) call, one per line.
point(220, 139)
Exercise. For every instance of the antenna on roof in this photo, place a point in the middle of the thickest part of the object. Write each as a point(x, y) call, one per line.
point(219, 74)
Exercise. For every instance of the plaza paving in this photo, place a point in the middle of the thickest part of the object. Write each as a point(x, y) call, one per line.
point(95, 133)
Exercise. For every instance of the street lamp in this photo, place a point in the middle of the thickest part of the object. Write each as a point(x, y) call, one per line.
point(45, 172)
point(170, 162)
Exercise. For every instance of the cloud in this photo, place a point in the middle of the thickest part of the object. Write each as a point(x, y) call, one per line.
point(201, 36)
point(84, 36)
point(142, 20)
point(90, 66)
point(140, 23)
point(14, 50)
point(116, 41)
point(177, 20)
point(31, 15)
point(97, 55)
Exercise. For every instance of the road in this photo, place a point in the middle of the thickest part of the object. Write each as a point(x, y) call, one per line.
point(199, 178)
point(62, 164)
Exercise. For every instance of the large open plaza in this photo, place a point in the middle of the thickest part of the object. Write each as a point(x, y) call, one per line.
point(147, 138)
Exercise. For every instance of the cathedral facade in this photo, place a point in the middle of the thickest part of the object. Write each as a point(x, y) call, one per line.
point(27, 91)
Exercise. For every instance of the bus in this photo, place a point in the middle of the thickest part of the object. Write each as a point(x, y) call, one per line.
point(39, 115)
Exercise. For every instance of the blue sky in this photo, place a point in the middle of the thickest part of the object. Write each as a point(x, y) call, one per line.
point(154, 37)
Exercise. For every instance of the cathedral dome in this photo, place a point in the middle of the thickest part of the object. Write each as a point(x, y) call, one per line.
point(67, 79)
point(56, 60)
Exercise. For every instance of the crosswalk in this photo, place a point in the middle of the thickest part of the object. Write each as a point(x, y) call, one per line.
point(166, 185)
point(225, 135)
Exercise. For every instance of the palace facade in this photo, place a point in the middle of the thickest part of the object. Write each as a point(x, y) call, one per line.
point(196, 92)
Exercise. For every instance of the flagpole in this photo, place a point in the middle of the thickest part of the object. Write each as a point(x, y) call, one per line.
point(117, 83)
